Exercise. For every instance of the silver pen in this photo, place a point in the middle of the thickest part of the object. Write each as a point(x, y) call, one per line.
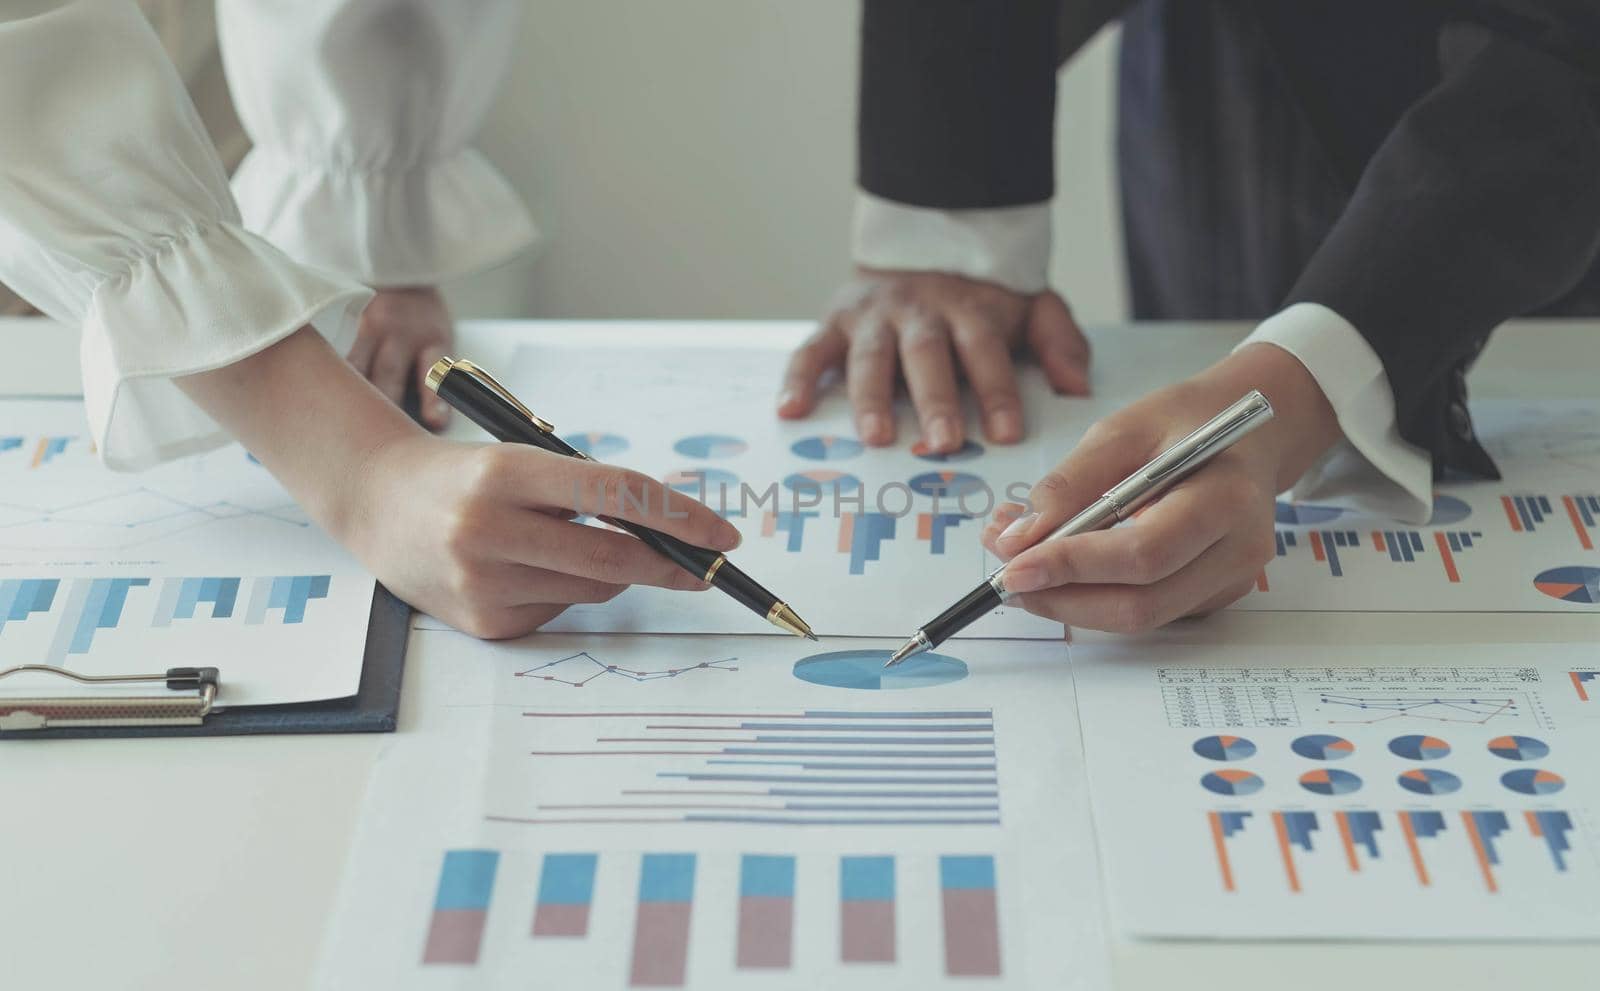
point(1170, 467)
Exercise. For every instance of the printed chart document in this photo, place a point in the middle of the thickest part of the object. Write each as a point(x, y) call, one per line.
point(1409, 793)
point(205, 561)
point(860, 541)
point(1527, 543)
point(727, 812)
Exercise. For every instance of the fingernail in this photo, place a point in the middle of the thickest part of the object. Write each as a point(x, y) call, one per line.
point(787, 398)
point(875, 428)
point(942, 434)
point(1024, 579)
point(728, 538)
point(1019, 527)
point(1006, 425)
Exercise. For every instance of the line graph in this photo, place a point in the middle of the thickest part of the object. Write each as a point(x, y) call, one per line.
point(584, 667)
point(1364, 709)
point(128, 518)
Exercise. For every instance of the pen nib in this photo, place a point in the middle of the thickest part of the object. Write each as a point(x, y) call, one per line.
point(788, 620)
point(915, 645)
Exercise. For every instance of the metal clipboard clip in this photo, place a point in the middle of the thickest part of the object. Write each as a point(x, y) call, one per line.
point(120, 710)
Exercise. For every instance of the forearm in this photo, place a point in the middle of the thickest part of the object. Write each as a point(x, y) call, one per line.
point(309, 417)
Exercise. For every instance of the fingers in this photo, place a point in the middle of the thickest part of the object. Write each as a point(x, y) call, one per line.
point(366, 345)
point(596, 562)
point(869, 380)
point(435, 411)
point(802, 380)
point(1105, 456)
point(1175, 531)
point(391, 369)
point(986, 358)
point(1059, 344)
point(930, 373)
point(540, 480)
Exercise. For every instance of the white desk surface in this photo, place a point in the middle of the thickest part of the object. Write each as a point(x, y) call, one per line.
point(213, 863)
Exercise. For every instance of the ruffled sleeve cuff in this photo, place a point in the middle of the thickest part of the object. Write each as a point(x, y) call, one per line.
point(203, 299)
point(417, 225)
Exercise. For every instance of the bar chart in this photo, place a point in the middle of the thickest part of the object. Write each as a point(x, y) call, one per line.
point(23, 453)
point(664, 902)
point(808, 769)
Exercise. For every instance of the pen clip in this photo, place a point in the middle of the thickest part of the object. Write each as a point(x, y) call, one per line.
point(489, 382)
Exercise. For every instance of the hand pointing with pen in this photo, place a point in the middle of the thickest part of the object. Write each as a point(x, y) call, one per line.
point(1200, 545)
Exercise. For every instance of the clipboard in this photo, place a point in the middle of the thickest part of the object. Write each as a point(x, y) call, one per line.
point(184, 707)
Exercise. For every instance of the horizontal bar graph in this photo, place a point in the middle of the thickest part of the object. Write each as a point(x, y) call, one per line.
point(181, 596)
point(1581, 682)
point(807, 768)
point(761, 933)
point(20, 598)
point(288, 593)
point(862, 535)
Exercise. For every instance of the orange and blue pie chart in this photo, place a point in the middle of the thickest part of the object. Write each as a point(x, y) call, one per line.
point(1419, 747)
point(1232, 781)
point(1518, 748)
point(1323, 746)
point(710, 446)
point(598, 445)
point(1532, 781)
point(826, 448)
point(1570, 584)
point(821, 481)
point(947, 484)
point(1224, 747)
point(1429, 781)
point(1330, 781)
point(966, 452)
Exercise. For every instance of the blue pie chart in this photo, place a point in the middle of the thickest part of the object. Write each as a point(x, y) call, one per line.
point(714, 482)
point(1532, 781)
point(1304, 514)
point(822, 481)
point(1447, 510)
point(598, 445)
point(864, 670)
point(827, 448)
point(1429, 781)
point(710, 446)
point(1224, 747)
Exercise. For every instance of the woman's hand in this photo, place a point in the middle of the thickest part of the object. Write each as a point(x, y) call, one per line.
point(482, 536)
point(927, 326)
point(479, 535)
point(402, 332)
point(1200, 545)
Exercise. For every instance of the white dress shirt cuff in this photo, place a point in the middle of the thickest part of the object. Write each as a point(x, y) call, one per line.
point(1372, 467)
point(1009, 246)
point(205, 299)
point(420, 224)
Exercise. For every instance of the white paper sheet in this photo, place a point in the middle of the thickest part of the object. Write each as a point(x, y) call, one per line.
point(1327, 793)
point(877, 545)
point(713, 749)
point(1527, 543)
point(202, 562)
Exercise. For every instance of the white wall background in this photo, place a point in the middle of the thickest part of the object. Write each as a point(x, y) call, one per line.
point(694, 158)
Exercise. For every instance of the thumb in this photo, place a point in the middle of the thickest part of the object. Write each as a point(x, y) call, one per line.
point(1103, 458)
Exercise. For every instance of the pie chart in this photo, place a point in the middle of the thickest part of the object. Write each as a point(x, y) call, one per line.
point(1448, 510)
point(966, 452)
point(822, 480)
point(1518, 747)
point(1224, 747)
point(1419, 747)
point(598, 445)
point(947, 484)
point(826, 448)
point(1330, 781)
point(1532, 781)
point(863, 669)
point(710, 446)
point(1323, 746)
point(1571, 584)
point(1429, 781)
point(1232, 782)
point(710, 481)
point(1303, 513)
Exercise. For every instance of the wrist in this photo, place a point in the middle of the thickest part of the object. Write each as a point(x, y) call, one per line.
point(1304, 426)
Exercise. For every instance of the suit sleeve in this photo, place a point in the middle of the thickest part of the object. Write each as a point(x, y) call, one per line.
point(957, 102)
point(1482, 204)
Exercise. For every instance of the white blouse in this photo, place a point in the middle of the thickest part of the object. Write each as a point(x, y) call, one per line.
point(360, 112)
point(116, 215)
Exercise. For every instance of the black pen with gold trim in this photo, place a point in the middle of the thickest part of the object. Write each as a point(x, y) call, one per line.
point(491, 406)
